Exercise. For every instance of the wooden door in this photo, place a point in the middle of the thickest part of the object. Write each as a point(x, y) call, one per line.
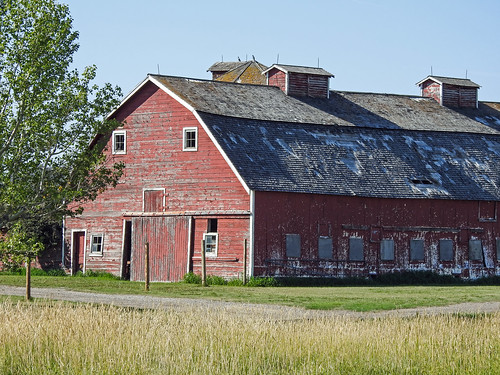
point(78, 251)
point(153, 200)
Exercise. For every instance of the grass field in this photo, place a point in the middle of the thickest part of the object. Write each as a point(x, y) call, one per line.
point(61, 338)
point(326, 298)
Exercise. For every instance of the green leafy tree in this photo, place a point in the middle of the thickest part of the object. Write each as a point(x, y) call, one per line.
point(50, 115)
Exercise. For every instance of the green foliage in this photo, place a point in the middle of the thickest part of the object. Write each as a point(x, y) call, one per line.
point(18, 246)
point(262, 282)
point(49, 115)
point(192, 278)
point(96, 274)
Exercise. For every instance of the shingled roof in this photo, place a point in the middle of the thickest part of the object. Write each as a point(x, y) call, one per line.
point(464, 82)
point(360, 144)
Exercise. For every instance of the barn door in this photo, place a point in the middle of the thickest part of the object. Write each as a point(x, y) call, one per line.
point(153, 200)
point(78, 252)
point(168, 247)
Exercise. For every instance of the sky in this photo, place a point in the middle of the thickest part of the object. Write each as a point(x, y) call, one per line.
point(381, 46)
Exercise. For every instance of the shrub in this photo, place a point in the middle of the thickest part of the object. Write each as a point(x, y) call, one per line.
point(192, 278)
point(262, 282)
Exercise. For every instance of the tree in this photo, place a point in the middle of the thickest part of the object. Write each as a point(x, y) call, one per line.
point(50, 116)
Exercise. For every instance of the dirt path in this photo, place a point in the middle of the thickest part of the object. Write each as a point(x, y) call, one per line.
point(269, 311)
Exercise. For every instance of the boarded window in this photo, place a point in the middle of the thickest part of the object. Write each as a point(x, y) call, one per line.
point(356, 249)
point(475, 250)
point(446, 250)
point(498, 249)
point(325, 247)
point(293, 245)
point(153, 200)
point(487, 211)
point(387, 250)
point(416, 250)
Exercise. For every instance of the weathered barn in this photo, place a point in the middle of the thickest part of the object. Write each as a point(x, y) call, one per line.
point(314, 182)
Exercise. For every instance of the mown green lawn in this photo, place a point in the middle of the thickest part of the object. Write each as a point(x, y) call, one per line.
point(356, 298)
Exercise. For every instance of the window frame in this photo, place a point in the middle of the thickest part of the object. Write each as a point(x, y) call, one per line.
point(214, 246)
point(353, 254)
point(185, 131)
point(293, 244)
point(387, 254)
point(114, 150)
point(101, 251)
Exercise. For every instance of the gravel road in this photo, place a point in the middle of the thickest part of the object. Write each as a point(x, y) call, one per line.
point(268, 311)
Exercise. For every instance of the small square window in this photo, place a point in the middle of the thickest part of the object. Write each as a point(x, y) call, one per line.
point(211, 240)
point(119, 142)
point(96, 244)
point(190, 139)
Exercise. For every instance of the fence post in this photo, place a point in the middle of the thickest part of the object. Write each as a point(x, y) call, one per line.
point(244, 261)
point(28, 278)
point(203, 265)
point(146, 267)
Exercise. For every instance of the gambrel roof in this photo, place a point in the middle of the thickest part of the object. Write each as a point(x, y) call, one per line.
point(356, 144)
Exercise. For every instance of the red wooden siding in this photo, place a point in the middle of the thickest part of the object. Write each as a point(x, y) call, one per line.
point(431, 89)
point(232, 231)
point(168, 239)
point(457, 96)
point(307, 85)
point(372, 220)
point(189, 181)
point(277, 78)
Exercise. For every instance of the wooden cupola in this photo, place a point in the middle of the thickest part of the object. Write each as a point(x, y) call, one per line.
point(450, 92)
point(299, 80)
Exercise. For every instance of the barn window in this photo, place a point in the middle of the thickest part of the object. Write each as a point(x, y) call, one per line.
point(190, 139)
point(417, 250)
point(356, 249)
point(446, 250)
point(325, 247)
point(211, 238)
point(96, 244)
point(387, 250)
point(498, 249)
point(475, 249)
point(119, 142)
point(293, 245)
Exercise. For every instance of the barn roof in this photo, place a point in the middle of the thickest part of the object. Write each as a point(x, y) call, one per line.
point(464, 82)
point(341, 108)
point(248, 72)
point(362, 144)
point(300, 69)
point(384, 163)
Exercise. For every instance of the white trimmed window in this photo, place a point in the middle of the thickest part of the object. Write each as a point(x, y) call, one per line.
point(211, 240)
point(96, 244)
point(119, 142)
point(190, 139)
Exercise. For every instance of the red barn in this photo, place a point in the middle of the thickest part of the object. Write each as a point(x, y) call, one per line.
point(314, 182)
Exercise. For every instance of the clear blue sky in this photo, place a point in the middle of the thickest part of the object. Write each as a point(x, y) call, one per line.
point(369, 45)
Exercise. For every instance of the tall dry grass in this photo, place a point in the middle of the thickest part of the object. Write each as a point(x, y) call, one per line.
point(42, 338)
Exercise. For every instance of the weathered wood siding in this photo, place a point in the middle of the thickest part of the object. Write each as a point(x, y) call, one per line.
point(277, 78)
point(458, 96)
point(320, 220)
point(168, 239)
point(431, 89)
point(192, 181)
point(307, 85)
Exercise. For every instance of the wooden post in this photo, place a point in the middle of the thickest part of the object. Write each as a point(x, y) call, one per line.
point(146, 267)
point(244, 261)
point(203, 265)
point(28, 278)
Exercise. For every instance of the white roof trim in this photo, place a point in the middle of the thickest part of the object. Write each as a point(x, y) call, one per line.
point(126, 98)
